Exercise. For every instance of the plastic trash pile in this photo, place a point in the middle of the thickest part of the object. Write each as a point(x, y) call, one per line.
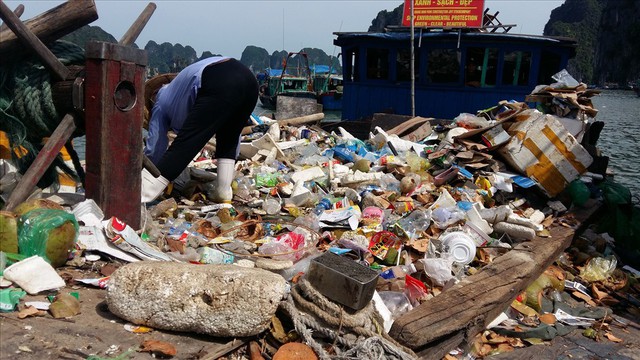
point(414, 209)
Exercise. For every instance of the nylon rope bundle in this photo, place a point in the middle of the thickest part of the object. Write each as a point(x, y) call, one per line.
point(359, 333)
point(27, 110)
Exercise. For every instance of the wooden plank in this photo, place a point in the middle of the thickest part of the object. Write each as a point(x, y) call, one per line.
point(406, 125)
point(218, 350)
point(470, 305)
point(45, 157)
point(52, 24)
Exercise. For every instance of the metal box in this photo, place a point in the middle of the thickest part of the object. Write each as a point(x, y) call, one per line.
point(342, 280)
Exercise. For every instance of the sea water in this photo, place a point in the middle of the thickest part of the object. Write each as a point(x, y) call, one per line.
point(619, 140)
point(619, 109)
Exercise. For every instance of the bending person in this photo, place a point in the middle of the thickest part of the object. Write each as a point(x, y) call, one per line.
point(212, 96)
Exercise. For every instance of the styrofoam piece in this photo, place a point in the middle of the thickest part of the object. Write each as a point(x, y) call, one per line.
point(515, 231)
point(515, 219)
point(383, 310)
point(307, 174)
point(89, 213)
point(474, 217)
point(34, 275)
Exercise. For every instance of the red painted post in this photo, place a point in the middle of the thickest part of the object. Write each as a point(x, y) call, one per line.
point(114, 104)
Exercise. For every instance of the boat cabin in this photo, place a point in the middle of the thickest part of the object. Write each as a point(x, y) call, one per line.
point(455, 71)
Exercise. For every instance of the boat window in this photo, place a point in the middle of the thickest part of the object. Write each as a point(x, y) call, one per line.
point(443, 66)
point(549, 65)
point(481, 67)
point(377, 63)
point(403, 65)
point(516, 68)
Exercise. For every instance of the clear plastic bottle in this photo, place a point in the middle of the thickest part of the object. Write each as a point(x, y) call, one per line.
point(398, 271)
point(324, 204)
point(418, 221)
point(271, 205)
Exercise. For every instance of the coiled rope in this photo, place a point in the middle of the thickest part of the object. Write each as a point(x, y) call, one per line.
point(359, 334)
point(27, 110)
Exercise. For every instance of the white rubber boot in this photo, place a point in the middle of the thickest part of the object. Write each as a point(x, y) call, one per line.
point(222, 192)
point(152, 186)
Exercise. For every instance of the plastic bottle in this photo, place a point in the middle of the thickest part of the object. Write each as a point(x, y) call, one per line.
point(324, 204)
point(271, 206)
point(419, 220)
point(398, 271)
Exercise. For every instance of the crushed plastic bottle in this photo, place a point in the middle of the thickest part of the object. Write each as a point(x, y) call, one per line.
point(398, 271)
point(323, 205)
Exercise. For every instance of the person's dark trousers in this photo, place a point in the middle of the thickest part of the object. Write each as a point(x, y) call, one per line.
point(228, 95)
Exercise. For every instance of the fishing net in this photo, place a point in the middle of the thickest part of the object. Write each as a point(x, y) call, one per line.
point(27, 110)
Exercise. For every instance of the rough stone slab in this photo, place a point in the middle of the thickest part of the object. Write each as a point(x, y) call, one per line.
point(218, 300)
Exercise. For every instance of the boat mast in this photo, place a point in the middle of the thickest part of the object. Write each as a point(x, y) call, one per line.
point(413, 74)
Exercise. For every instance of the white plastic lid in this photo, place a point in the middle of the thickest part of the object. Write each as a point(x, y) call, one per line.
point(461, 247)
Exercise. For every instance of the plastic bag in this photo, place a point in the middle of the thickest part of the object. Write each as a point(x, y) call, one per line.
point(470, 121)
point(48, 233)
point(9, 298)
point(599, 269)
point(397, 303)
point(415, 290)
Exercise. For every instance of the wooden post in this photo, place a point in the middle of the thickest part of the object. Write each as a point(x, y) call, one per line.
point(51, 25)
point(60, 136)
point(19, 10)
point(114, 104)
point(132, 34)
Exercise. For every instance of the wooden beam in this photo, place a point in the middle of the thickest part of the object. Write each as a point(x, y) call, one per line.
point(467, 308)
point(136, 28)
point(19, 10)
point(45, 157)
point(52, 24)
point(32, 41)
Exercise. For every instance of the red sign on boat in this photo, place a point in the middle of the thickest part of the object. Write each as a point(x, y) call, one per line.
point(444, 13)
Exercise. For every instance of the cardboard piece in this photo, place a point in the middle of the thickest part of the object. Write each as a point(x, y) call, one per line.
point(542, 149)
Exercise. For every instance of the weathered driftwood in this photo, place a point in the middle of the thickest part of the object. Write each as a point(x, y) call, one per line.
point(52, 24)
point(458, 314)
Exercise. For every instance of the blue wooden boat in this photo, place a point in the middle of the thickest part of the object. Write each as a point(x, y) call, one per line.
point(328, 86)
point(455, 71)
point(294, 81)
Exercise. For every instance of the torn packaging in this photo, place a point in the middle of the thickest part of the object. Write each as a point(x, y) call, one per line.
point(545, 151)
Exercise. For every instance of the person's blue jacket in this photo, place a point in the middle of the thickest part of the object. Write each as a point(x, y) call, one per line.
point(173, 103)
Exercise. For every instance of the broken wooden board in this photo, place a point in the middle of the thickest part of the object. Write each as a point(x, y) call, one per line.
point(288, 107)
point(458, 314)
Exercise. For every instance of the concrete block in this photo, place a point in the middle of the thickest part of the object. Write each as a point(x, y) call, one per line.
point(218, 300)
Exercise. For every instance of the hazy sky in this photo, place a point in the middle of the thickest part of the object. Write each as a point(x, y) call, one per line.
point(227, 27)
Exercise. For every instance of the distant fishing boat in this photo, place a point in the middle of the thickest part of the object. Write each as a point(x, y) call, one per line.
point(292, 81)
point(328, 86)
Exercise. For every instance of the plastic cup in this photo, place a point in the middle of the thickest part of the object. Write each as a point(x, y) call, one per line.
point(460, 246)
